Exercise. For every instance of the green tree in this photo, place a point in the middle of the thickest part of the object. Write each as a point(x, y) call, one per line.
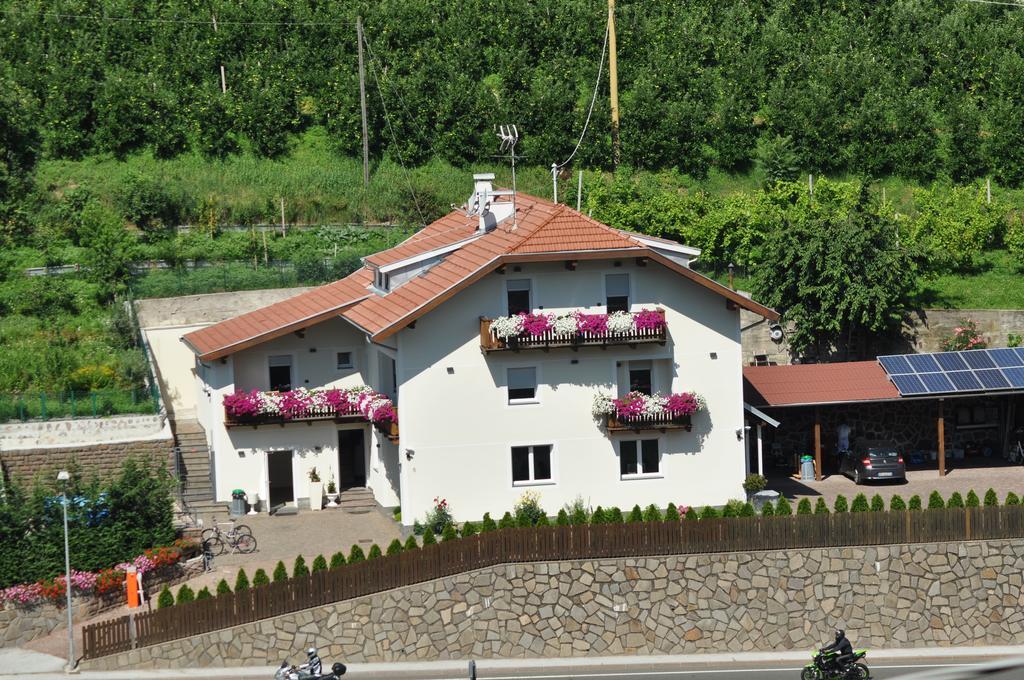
point(709, 513)
point(835, 272)
point(411, 544)
point(972, 500)
point(543, 521)
point(821, 507)
point(19, 144)
point(991, 499)
point(636, 514)
point(955, 501)
point(506, 521)
point(614, 515)
point(804, 507)
point(841, 504)
point(783, 507)
point(375, 552)
point(356, 553)
point(896, 503)
point(778, 159)
point(672, 513)
point(109, 249)
point(877, 504)
point(241, 581)
point(203, 594)
point(468, 529)
point(768, 510)
point(487, 524)
point(394, 547)
point(563, 518)
point(652, 513)
point(598, 517)
point(1012, 499)
point(914, 503)
point(449, 533)
point(579, 515)
point(185, 594)
point(319, 564)
point(338, 559)
point(428, 536)
point(260, 578)
point(299, 569)
point(166, 599)
point(747, 510)
point(280, 572)
point(223, 588)
point(691, 513)
point(935, 501)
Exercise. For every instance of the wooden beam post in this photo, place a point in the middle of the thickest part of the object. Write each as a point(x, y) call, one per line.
point(817, 445)
point(942, 441)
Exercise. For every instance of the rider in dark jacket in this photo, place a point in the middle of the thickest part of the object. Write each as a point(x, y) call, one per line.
point(843, 647)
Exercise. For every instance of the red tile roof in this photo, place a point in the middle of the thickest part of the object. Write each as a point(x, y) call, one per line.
point(543, 231)
point(816, 384)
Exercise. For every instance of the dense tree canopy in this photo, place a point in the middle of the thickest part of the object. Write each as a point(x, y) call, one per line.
point(918, 89)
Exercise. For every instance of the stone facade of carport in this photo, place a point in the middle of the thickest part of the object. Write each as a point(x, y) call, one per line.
point(909, 423)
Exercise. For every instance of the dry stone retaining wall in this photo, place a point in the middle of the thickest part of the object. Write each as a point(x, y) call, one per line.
point(104, 460)
point(916, 595)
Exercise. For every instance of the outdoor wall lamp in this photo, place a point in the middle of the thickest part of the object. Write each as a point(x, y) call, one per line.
point(740, 432)
point(409, 453)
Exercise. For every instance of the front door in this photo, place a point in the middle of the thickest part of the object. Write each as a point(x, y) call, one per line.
point(351, 458)
point(280, 481)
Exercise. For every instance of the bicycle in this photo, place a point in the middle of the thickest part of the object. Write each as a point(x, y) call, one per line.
point(239, 538)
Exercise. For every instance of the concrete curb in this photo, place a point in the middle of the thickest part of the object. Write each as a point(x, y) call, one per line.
point(422, 670)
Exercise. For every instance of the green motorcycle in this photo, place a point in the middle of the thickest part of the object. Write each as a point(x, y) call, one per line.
point(824, 667)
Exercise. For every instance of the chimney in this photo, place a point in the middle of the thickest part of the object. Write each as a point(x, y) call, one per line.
point(485, 203)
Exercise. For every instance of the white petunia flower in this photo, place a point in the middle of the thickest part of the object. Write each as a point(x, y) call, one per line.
point(620, 323)
point(507, 326)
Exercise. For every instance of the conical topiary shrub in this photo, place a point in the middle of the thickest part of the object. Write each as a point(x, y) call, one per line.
point(506, 522)
point(991, 499)
point(691, 514)
point(300, 569)
point(598, 516)
point(241, 581)
point(223, 588)
point(972, 499)
point(935, 501)
point(319, 563)
point(896, 503)
point(563, 518)
point(448, 533)
point(203, 594)
point(487, 524)
point(578, 516)
point(768, 510)
point(394, 547)
point(411, 544)
point(860, 503)
point(280, 572)
point(652, 513)
point(375, 552)
point(356, 554)
point(748, 510)
point(841, 504)
point(914, 503)
point(804, 507)
point(260, 578)
point(337, 560)
point(783, 507)
point(428, 537)
point(672, 513)
point(614, 515)
point(636, 514)
point(185, 594)
point(468, 529)
point(1012, 499)
point(709, 513)
point(166, 599)
point(877, 504)
point(955, 501)
point(543, 521)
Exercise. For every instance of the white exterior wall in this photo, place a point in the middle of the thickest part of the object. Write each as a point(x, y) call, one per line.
point(240, 453)
point(459, 429)
point(174, 363)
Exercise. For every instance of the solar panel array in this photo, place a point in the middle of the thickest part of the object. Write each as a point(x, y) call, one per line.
point(975, 370)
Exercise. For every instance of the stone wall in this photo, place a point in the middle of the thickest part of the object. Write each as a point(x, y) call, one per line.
point(915, 595)
point(66, 432)
point(19, 625)
point(104, 460)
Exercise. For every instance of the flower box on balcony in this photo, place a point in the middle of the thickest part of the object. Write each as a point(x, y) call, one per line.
point(358, 404)
point(638, 411)
point(577, 329)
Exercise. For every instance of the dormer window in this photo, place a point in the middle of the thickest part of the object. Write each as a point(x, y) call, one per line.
point(382, 281)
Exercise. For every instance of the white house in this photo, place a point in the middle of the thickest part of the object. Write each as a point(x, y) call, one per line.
point(485, 409)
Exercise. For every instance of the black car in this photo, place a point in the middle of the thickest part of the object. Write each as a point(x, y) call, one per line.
point(873, 460)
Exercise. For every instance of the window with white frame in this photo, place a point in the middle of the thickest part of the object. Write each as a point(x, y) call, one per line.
point(517, 293)
point(522, 385)
point(344, 361)
point(641, 377)
point(616, 291)
point(639, 458)
point(531, 464)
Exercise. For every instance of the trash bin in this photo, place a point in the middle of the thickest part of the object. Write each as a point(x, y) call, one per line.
point(807, 468)
point(238, 503)
point(761, 497)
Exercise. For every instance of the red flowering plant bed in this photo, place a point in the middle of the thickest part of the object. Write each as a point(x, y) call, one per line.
point(575, 328)
point(301, 404)
point(637, 410)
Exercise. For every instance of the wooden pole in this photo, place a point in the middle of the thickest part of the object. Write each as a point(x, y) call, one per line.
point(613, 83)
point(817, 445)
point(282, 217)
point(942, 441)
point(362, 104)
point(579, 192)
point(223, 79)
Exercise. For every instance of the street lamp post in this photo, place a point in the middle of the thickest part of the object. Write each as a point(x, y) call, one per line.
point(63, 476)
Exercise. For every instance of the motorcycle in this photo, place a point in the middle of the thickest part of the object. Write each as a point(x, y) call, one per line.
point(823, 666)
point(288, 671)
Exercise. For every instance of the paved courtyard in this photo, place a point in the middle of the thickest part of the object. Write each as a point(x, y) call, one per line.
point(979, 476)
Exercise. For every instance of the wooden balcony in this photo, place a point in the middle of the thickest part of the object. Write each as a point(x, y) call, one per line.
point(661, 422)
point(390, 429)
point(550, 339)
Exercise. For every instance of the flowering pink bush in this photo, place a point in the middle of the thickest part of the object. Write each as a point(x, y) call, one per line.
point(592, 323)
point(683, 403)
point(301, 403)
point(649, 319)
point(638, 404)
point(537, 323)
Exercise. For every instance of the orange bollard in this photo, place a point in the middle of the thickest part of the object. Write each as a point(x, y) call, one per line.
point(132, 581)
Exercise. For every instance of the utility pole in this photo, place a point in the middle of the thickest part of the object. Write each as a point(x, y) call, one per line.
point(223, 80)
point(362, 103)
point(613, 81)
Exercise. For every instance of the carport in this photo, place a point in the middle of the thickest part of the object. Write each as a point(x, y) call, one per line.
point(967, 412)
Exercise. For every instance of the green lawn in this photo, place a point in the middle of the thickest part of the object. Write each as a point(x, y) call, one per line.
point(996, 283)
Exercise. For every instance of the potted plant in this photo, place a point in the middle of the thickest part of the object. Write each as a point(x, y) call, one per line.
point(316, 490)
point(332, 493)
point(754, 483)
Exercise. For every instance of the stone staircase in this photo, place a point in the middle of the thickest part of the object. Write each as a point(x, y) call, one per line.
point(194, 472)
point(357, 500)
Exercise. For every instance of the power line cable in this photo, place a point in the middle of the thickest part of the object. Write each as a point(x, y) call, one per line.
point(995, 2)
point(394, 137)
point(593, 99)
point(136, 20)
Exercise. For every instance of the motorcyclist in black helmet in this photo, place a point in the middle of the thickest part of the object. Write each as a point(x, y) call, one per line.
point(842, 647)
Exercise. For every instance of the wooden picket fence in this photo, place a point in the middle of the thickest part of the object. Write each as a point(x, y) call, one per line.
point(549, 544)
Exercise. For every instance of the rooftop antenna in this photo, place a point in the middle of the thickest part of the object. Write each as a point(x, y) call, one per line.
point(509, 136)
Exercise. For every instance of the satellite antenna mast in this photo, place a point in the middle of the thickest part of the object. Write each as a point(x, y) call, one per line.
point(509, 136)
